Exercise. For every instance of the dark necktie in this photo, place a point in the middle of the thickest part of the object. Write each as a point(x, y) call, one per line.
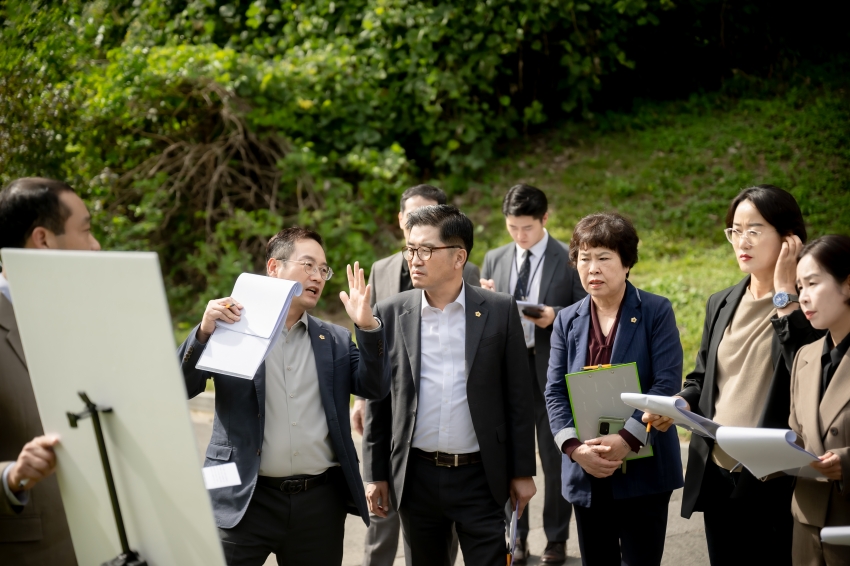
point(521, 289)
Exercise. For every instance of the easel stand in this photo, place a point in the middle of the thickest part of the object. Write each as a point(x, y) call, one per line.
point(127, 557)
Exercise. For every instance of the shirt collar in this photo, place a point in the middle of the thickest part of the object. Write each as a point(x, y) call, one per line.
point(537, 249)
point(840, 350)
point(4, 288)
point(302, 320)
point(461, 299)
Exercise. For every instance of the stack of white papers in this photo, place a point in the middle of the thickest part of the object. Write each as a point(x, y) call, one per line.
point(835, 535)
point(673, 408)
point(764, 450)
point(239, 348)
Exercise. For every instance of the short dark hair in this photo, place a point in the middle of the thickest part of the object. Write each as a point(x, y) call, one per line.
point(777, 206)
point(425, 191)
point(455, 227)
point(831, 252)
point(29, 203)
point(607, 230)
point(525, 200)
point(280, 245)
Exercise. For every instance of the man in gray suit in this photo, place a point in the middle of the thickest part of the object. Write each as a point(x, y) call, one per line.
point(455, 440)
point(390, 276)
point(536, 268)
point(41, 214)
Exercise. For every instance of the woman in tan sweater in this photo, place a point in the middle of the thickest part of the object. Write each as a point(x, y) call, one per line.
point(820, 401)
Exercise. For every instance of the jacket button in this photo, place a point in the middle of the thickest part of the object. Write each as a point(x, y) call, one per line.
point(834, 431)
point(258, 451)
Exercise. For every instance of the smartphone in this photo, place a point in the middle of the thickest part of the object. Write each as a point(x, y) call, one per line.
point(532, 313)
point(610, 425)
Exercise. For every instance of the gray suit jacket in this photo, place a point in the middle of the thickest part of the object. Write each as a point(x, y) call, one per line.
point(385, 277)
point(560, 287)
point(499, 398)
point(38, 532)
point(240, 406)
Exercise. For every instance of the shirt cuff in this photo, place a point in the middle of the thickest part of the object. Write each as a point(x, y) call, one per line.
point(380, 324)
point(564, 435)
point(22, 497)
point(637, 430)
point(634, 443)
point(570, 447)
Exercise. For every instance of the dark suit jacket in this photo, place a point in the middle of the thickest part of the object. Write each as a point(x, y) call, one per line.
point(37, 533)
point(647, 335)
point(385, 277)
point(700, 389)
point(560, 287)
point(240, 410)
point(499, 398)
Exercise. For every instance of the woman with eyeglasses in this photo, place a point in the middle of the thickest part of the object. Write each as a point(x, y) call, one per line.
point(742, 378)
point(820, 401)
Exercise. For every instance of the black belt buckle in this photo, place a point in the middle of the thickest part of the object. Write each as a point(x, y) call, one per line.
point(291, 487)
point(449, 465)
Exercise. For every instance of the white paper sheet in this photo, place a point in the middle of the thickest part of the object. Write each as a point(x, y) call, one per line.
point(763, 450)
point(835, 535)
point(221, 476)
point(514, 517)
point(673, 408)
point(239, 348)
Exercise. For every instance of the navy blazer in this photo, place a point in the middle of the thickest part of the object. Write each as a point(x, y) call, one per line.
point(240, 406)
point(647, 334)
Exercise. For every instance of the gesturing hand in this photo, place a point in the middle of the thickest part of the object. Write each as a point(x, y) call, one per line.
point(226, 309)
point(356, 301)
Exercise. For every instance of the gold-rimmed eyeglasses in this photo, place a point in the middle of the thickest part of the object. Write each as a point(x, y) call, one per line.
point(311, 268)
point(735, 236)
point(423, 252)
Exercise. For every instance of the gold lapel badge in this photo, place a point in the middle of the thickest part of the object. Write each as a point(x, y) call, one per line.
point(322, 336)
point(634, 319)
point(478, 314)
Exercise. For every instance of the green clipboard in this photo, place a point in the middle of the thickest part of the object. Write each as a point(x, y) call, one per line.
point(595, 393)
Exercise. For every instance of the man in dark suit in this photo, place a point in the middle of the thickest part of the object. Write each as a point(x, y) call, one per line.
point(536, 268)
point(42, 214)
point(287, 429)
point(390, 276)
point(455, 440)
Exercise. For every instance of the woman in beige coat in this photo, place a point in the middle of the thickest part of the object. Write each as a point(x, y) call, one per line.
point(820, 401)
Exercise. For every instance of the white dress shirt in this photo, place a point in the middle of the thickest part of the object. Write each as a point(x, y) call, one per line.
point(4, 287)
point(443, 421)
point(537, 258)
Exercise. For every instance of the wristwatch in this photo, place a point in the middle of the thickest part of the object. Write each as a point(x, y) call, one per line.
point(783, 299)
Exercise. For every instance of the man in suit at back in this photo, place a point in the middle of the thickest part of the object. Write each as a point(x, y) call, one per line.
point(41, 214)
point(287, 429)
point(455, 440)
point(535, 268)
point(390, 276)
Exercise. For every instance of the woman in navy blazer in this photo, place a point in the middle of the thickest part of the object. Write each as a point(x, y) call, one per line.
point(621, 517)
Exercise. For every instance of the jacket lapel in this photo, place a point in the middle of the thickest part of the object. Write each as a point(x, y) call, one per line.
point(808, 384)
point(837, 394)
point(8, 322)
point(410, 322)
point(630, 319)
point(322, 343)
point(551, 264)
point(581, 334)
point(476, 320)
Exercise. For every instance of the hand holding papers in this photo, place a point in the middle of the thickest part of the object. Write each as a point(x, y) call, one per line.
point(763, 450)
point(673, 408)
point(514, 517)
point(240, 347)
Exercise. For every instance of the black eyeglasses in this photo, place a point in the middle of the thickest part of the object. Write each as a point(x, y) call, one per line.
point(311, 268)
point(423, 252)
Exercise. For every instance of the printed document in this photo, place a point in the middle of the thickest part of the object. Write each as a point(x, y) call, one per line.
point(763, 450)
point(673, 408)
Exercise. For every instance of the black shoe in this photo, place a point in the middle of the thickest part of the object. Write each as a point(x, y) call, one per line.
point(555, 553)
point(520, 553)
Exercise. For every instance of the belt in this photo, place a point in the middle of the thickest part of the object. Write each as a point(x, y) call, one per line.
point(442, 459)
point(295, 484)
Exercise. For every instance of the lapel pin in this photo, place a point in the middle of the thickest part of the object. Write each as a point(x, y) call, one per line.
point(634, 319)
point(322, 336)
point(478, 314)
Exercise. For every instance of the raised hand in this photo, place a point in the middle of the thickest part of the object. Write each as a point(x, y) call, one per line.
point(356, 301)
point(226, 309)
point(785, 274)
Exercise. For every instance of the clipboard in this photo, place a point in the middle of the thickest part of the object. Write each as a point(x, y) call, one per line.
point(596, 393)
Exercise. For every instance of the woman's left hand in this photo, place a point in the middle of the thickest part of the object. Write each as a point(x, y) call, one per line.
point(829, 465)
point(618, 448)
point(785, 274)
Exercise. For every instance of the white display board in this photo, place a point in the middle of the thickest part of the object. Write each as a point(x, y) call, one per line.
point(98, 322)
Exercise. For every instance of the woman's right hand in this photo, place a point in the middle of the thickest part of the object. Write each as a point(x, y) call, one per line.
point(591, 462)
point(662, 424)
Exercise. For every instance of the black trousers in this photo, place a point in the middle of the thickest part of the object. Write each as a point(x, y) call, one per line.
point(437, 497)
point(556, 510)
point(306, 528)
point(628, 531)
point(755, 528)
